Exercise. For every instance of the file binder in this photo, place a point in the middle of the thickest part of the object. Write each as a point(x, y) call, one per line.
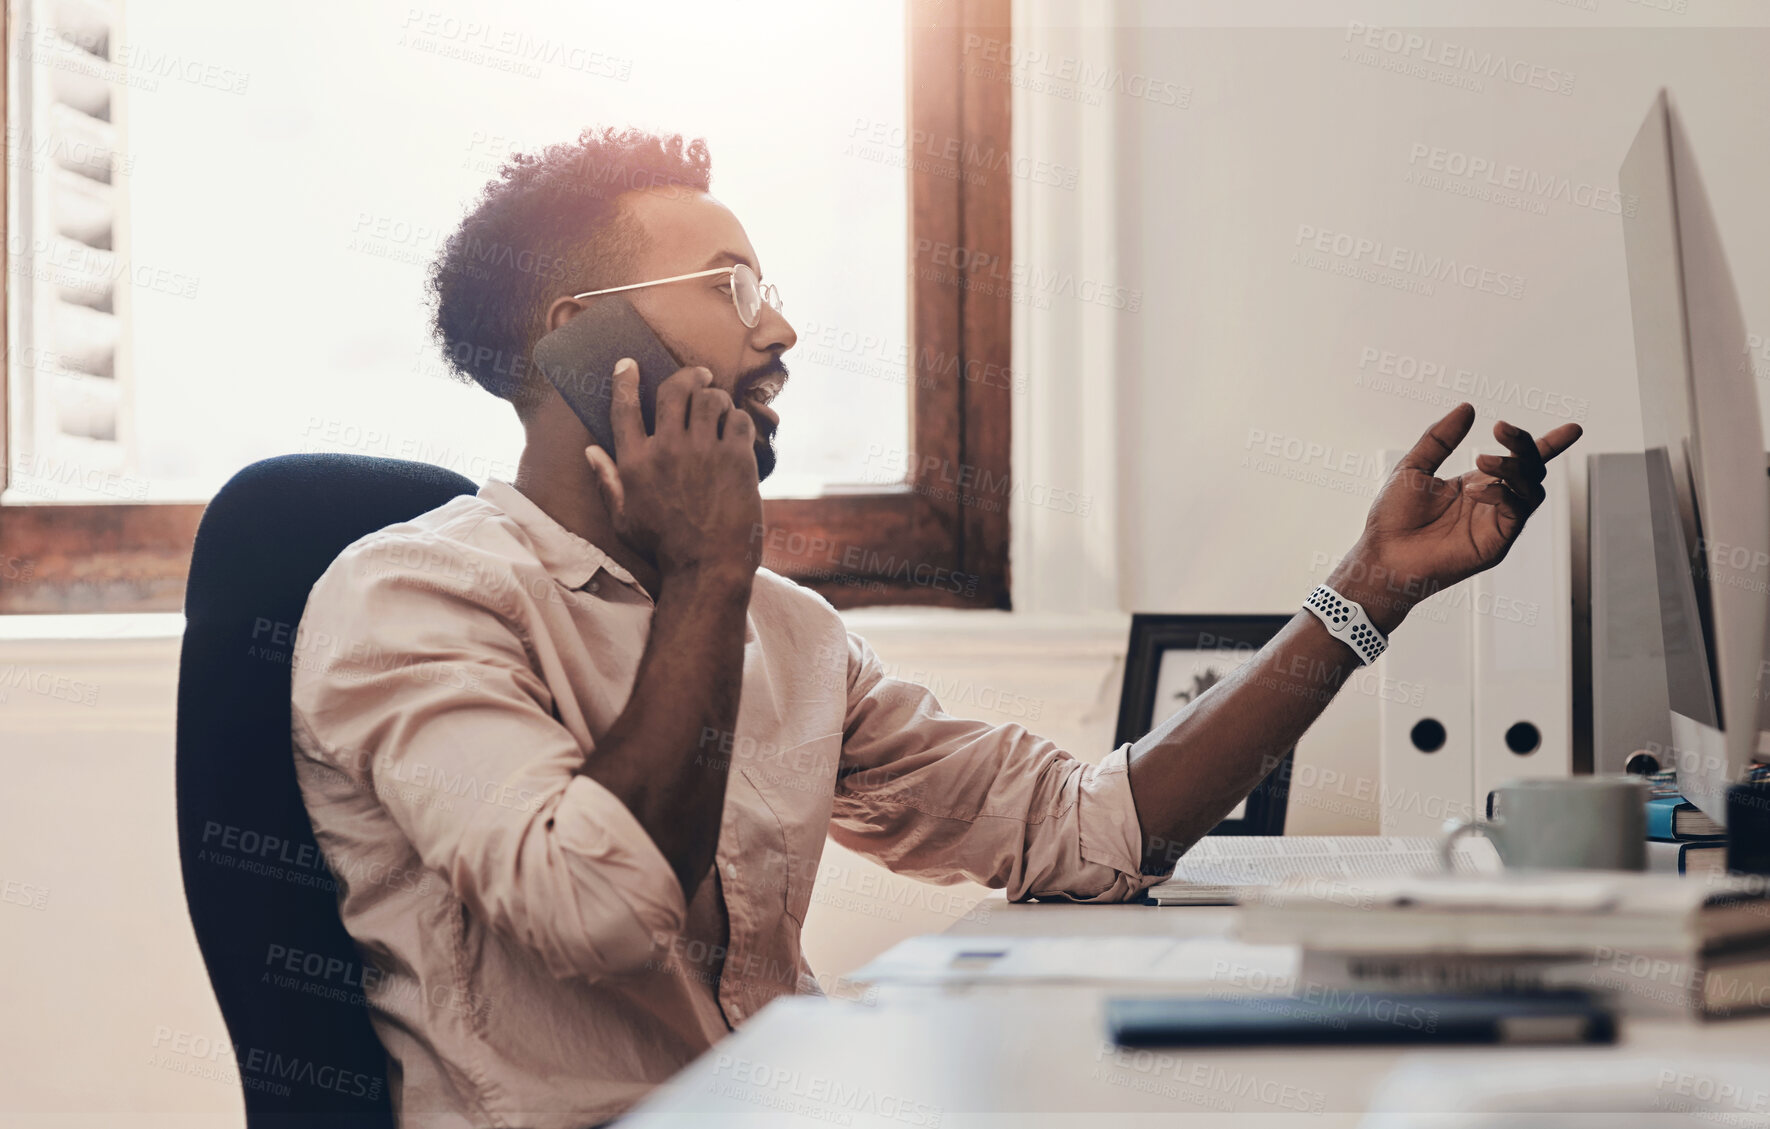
point(1521, 685)
point(1425, 716)
point(1476, 687)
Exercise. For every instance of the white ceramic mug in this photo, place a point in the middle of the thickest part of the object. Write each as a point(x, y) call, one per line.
point(1564, 823)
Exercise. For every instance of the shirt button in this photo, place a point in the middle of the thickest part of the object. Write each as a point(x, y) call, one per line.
point(731, 870)
point(596, 586)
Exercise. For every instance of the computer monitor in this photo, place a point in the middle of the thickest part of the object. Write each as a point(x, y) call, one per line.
point(1708, 493)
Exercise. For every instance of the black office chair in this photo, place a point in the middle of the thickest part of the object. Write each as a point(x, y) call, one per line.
point(285, 973)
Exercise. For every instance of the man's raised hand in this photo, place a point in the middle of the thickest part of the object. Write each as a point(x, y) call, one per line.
point(1424, 533)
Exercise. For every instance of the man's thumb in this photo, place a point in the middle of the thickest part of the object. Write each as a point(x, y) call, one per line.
point(608, 479)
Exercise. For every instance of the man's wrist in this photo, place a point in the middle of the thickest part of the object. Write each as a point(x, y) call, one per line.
point(709, 582)
point(1385, 594)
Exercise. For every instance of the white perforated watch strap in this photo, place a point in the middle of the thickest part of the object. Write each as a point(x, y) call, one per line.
point(1346, 621)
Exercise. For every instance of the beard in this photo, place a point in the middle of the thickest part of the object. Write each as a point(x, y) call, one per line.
point(764, 456)
point(765, 429)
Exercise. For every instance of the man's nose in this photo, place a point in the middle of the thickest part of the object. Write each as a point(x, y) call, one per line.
point(773, 332)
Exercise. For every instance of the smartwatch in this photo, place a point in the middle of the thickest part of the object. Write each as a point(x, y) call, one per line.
point(1346, 621)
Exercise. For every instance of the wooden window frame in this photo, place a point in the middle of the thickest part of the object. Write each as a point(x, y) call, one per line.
point(938, 539)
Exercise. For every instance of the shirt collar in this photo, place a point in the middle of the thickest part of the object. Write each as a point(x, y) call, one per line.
point(570, 559)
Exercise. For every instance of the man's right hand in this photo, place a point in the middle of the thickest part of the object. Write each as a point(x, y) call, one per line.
point(687, 495)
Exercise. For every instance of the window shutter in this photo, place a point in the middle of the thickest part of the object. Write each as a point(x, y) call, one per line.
point(69, 275)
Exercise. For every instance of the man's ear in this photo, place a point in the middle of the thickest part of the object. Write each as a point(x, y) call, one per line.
point(561, 311)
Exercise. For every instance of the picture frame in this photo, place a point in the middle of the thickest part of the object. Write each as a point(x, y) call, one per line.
point(1204, 648)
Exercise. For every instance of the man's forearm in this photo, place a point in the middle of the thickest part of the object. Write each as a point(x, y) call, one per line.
point(1192, 769)
point(689, 682)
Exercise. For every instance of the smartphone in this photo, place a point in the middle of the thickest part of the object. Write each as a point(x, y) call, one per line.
point(579, 359)
point(1353, 1016)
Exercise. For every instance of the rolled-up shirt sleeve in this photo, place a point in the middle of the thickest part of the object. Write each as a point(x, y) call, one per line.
point(944, 799)
point(418, 686)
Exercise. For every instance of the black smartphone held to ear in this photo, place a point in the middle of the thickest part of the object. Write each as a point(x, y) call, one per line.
point(579, 359)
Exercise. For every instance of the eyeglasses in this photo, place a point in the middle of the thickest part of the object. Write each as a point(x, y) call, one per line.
point(747, 291)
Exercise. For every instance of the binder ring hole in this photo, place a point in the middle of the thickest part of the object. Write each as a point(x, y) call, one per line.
point(1428, 735)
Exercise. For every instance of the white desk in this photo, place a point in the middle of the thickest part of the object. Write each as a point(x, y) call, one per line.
point(1039, 1056)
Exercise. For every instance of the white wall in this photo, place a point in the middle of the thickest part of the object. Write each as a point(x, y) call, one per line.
point(1235, 338)
point(104, 982)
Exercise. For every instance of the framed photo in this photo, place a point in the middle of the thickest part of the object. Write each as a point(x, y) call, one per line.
point(1171, 660)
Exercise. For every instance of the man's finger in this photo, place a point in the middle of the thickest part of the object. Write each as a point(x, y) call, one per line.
point(624, 416)
point(1510, 494)
point(1526, 456)
point(674, 395)
point(740, 438)
point(1439, 440)
point(1513, 510)
point(1528, 492)
point(1518, 478)
point(706, 410)
point(740, 428)
point(1559, 440)
point(1487, 493)
point(608, 480)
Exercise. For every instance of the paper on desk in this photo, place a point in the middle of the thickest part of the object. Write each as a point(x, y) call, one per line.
point(1218, 861)
point(1567, 892)
point(940, 959)
point(1617, 1088)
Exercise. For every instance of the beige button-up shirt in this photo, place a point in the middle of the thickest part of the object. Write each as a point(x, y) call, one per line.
point(451, 674)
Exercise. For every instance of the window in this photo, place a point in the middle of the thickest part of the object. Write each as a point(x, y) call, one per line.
point(279, 190)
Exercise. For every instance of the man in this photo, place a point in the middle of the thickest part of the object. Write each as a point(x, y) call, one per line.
point(620, 744)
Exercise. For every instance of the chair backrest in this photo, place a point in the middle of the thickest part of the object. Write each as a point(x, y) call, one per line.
point(285, 972)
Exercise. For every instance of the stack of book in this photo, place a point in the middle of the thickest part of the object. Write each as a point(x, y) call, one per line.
point(1654, 944)
point(1682, 838)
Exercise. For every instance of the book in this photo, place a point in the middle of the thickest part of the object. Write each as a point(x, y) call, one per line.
point(1641, 984)
point(1654, 944)
point(1222, 869)
point(1673, 818)
point(1516, 913)
point(1701, 856)
point(1663, 783)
